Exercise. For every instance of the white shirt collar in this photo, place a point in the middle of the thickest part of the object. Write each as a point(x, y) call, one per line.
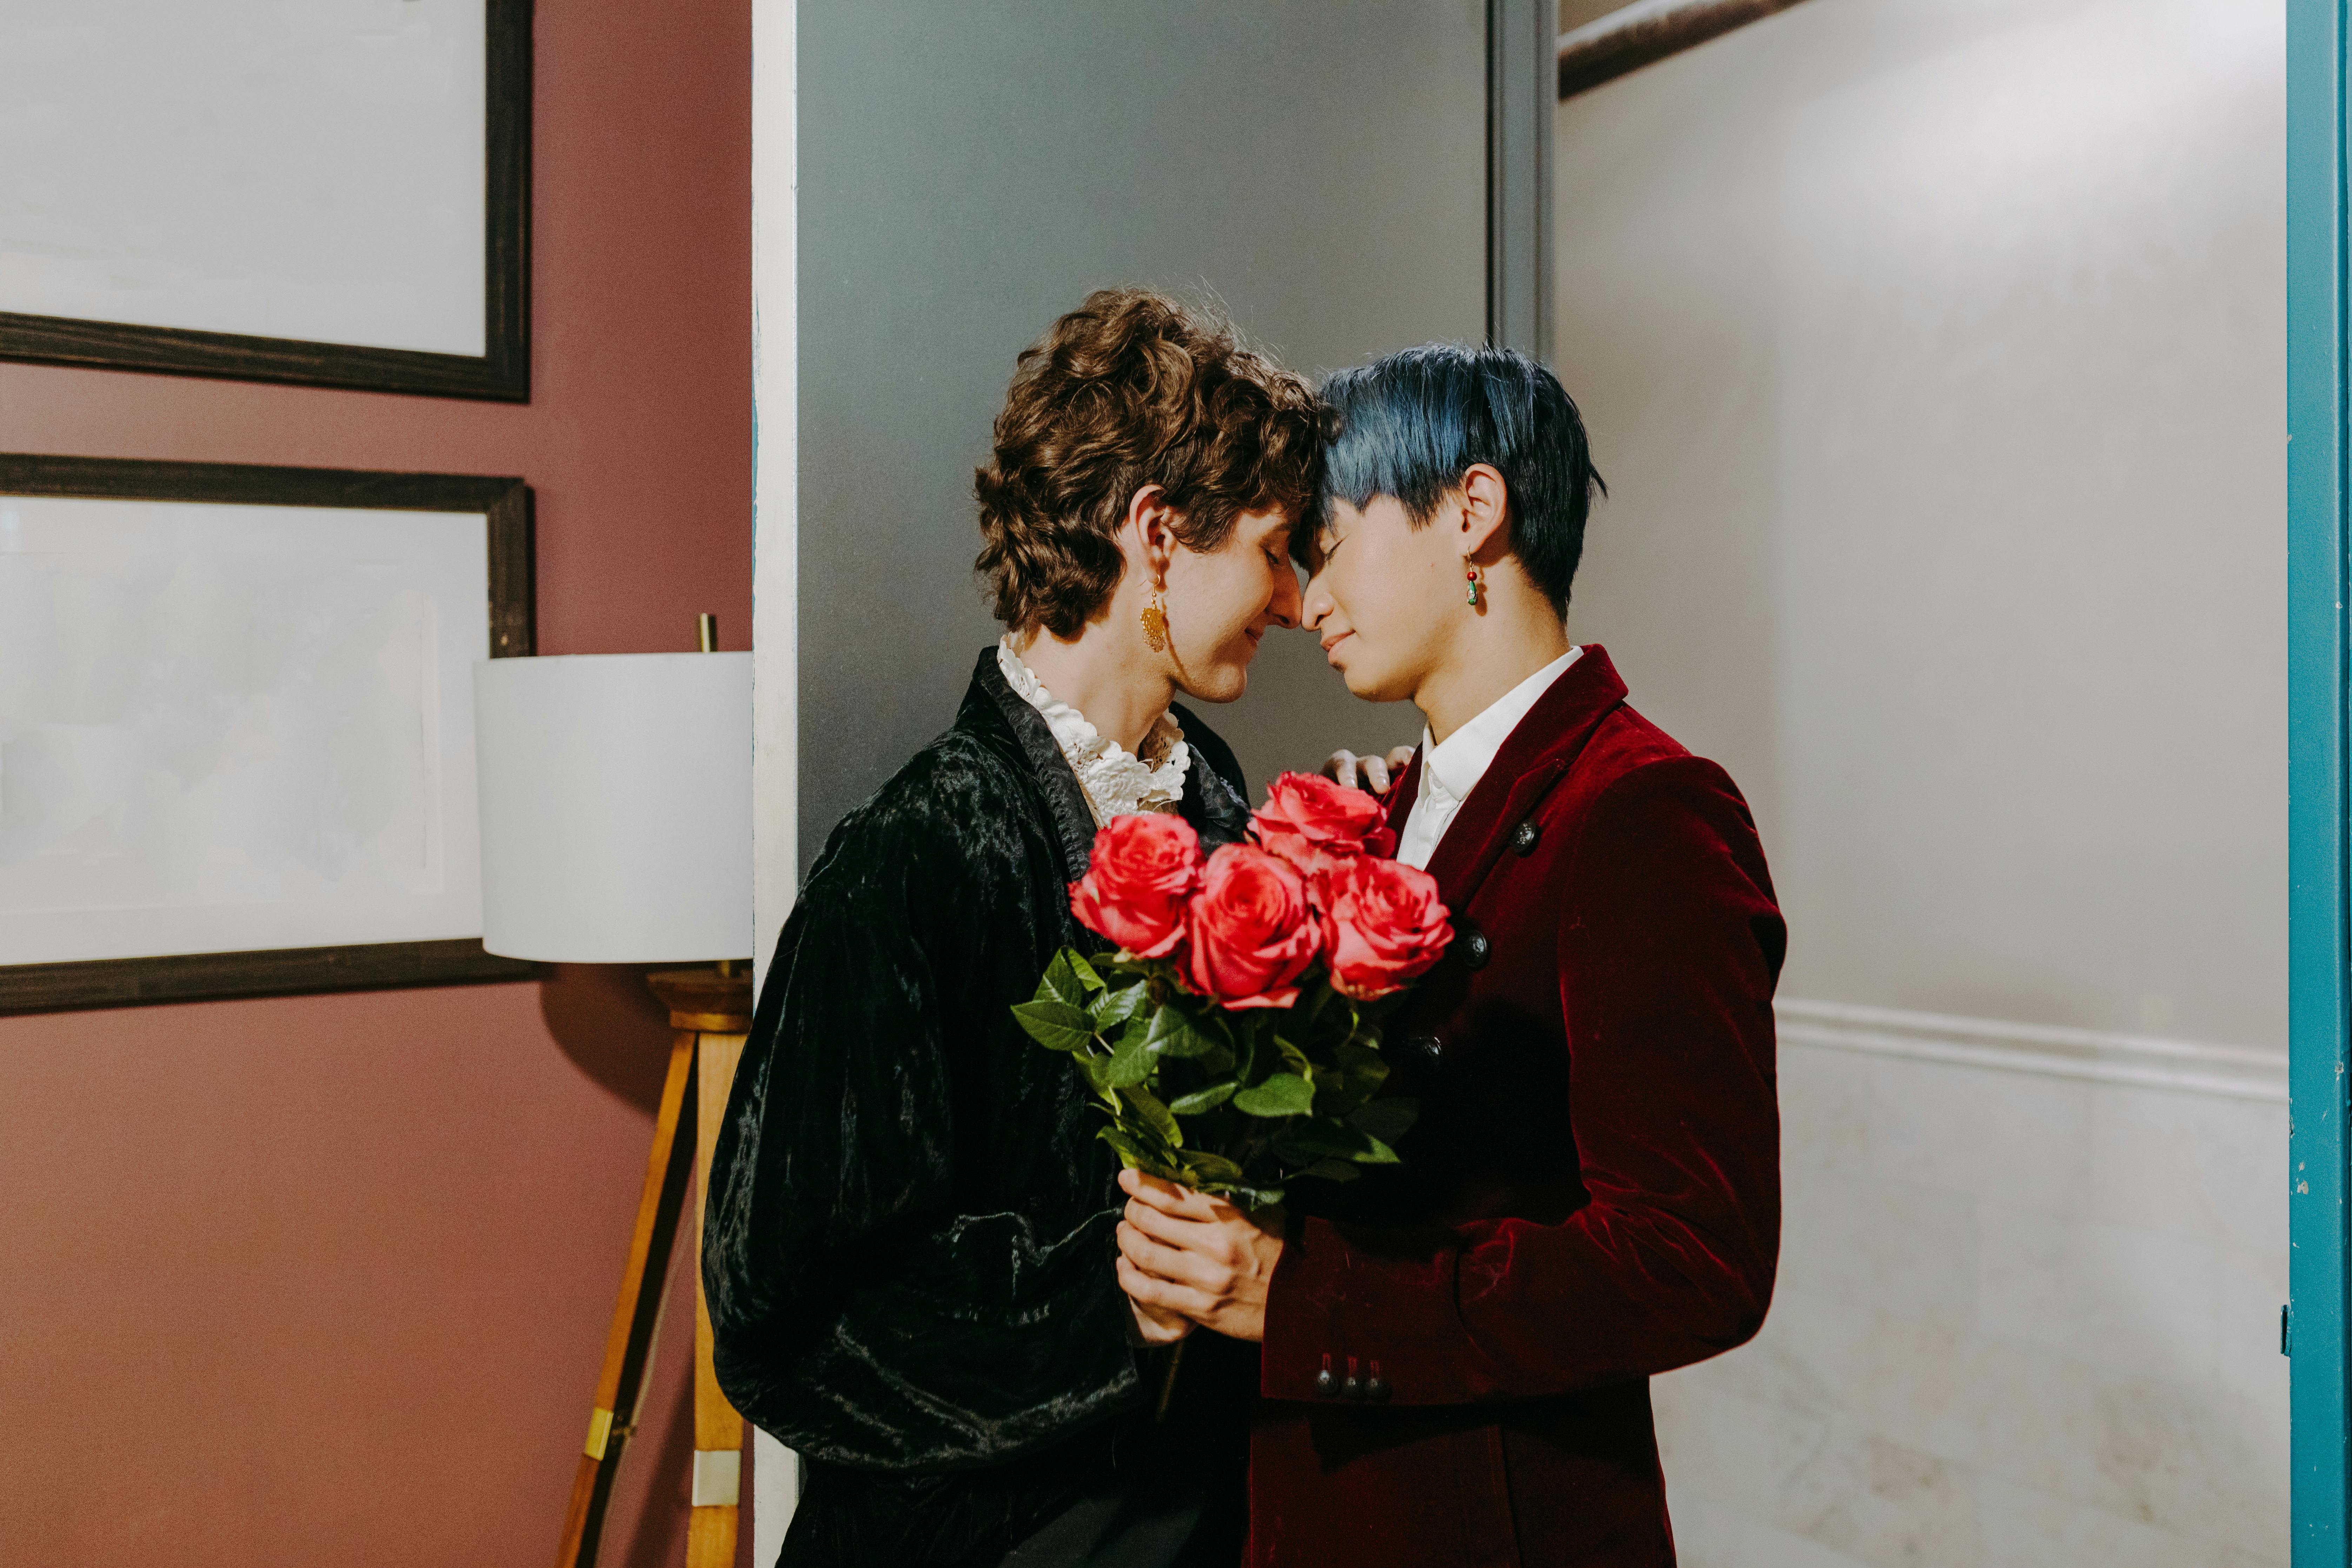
point(1450, 771)
point(1116, 783)
point(1455, 767)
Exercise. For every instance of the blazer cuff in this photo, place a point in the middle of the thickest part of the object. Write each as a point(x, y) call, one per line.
point(1352, 1325)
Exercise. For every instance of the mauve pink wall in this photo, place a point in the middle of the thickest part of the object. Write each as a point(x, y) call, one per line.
point(325, 1280)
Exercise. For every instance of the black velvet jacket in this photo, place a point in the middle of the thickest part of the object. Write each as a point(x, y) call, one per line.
point(909, 1241)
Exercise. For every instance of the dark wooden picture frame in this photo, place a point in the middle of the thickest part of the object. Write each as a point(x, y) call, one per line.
point(502, 372)
point(183, 977)
point(1626, 39)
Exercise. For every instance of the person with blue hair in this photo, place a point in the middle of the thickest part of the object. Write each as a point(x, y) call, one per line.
point(1455, 1350)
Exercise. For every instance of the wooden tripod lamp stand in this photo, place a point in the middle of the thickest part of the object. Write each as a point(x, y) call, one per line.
point(617, 828)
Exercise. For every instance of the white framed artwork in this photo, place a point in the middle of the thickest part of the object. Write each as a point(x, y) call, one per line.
point(333, 193)
point(236, 733)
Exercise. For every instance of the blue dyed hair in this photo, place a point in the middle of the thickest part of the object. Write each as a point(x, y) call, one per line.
point(1411, 425)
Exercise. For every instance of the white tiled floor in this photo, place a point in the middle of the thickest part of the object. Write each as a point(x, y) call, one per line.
point(2023, 1322)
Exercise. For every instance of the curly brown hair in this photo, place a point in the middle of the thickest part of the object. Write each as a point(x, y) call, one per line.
point(1131, 389)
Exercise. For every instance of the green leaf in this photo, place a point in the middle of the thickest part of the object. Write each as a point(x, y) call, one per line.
point(1084, 971)
point(1113, 1008)
point(1175, 1032)
point(1326, 1029)
point(1332, 1171)
point(1209, 1173)
point(1153, 1114)
point(1361, 1061)
point(1306, 1141)
point(1387, 1120)
point(1062, 979)
point(1130, 1063)
point(1357, 1076)
point(1283, 1094)
point(1202, 1100)
point(1137, 1155)
point(1097, 1071)
point(1057, 1026)
point(1294, 1059)
point(1246, 1056)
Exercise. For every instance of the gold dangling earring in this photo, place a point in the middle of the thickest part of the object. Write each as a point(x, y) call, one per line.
point(1155, 619)
point(1476, 583)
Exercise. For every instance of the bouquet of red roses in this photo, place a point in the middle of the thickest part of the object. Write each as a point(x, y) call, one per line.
point(1233, 1035)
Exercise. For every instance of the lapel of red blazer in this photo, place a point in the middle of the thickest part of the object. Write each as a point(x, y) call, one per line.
point(1531, 761)
point(1402, 789)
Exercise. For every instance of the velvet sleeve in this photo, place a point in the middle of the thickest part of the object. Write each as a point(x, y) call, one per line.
point(860, 1313)
point(1669, 948)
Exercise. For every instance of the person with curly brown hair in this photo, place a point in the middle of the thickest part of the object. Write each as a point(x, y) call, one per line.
point(910, 1244)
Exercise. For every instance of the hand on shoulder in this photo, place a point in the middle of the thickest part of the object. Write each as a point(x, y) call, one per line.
point(1375, 773)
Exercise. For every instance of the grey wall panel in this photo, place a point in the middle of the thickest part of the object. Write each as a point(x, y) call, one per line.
point(1935, 355)
point(969, 172)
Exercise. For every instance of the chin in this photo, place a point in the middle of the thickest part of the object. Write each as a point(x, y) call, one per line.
point(1224, 683)
point(1370, 685)
point(1223, 678)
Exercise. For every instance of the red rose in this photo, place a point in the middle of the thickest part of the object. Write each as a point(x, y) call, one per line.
point(1251, 932)
point(1383, 925)
point(1311, 821)
point(1143, 869)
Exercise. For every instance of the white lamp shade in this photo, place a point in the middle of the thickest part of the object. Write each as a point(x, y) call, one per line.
point(616, 806)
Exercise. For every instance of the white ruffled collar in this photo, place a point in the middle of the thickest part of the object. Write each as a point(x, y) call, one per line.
point(1116, 782)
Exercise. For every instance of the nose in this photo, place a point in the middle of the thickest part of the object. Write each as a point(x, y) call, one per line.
point(1283, 606)
point(1315, 603)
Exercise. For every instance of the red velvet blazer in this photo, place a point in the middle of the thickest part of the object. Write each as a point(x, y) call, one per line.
point(1457, 1350)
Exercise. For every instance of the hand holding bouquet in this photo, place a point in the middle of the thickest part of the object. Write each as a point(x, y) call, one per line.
point(1232, 1036)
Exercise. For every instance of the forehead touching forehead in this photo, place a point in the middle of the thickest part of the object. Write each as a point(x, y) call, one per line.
point(1312, 537)
point(1268, 528)
point(1411, 425)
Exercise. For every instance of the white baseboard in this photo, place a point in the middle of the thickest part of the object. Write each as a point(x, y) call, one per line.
point(2236, 1072)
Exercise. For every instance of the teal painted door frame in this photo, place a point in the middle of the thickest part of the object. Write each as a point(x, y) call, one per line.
point(2318, 804)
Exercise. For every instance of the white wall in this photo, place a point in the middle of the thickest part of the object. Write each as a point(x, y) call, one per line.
point(2025, 1320)
point(775, 575)
point(1934, 352)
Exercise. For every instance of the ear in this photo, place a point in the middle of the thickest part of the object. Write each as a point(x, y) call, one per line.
point(1150, 529)
point(1483, 519)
